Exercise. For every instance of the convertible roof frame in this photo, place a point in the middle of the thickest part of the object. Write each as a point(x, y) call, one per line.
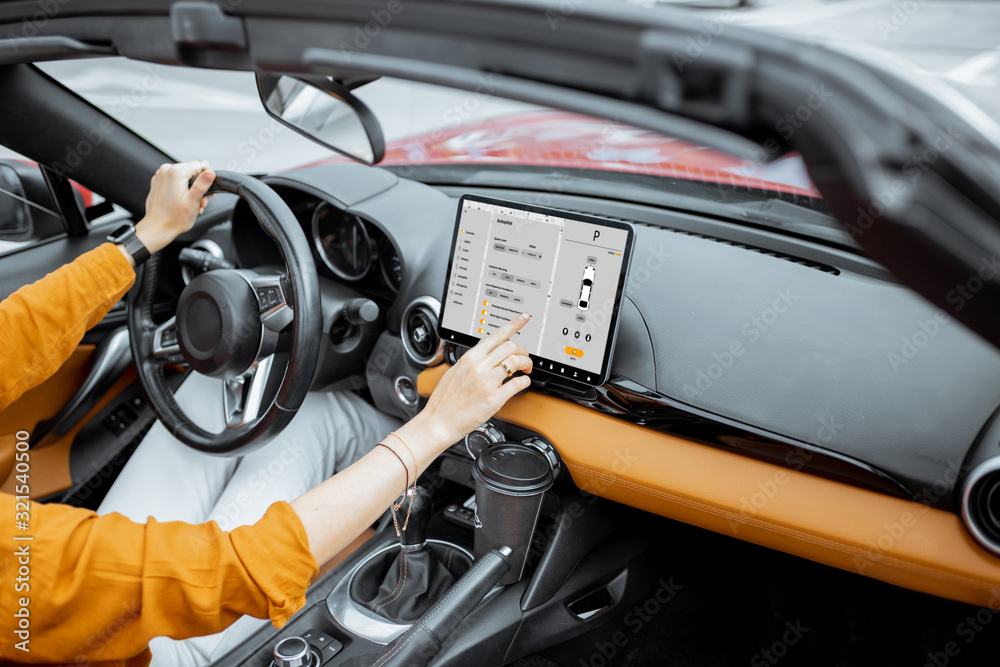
point(863, 129)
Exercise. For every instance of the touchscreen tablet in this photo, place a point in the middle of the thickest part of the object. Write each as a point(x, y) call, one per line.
point(567, 270)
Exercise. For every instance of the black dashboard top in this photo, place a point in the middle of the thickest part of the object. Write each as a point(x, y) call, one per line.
point(779, 335)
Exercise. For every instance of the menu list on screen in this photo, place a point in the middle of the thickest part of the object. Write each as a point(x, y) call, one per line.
point(564, 272)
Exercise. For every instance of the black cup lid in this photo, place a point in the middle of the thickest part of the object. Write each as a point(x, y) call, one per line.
point(514, 468)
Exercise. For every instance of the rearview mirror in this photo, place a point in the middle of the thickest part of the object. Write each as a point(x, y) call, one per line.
point(320, 109)
point(15, 217)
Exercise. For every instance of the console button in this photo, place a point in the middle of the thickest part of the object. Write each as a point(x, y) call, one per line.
point(573, 352)
point(324, 644)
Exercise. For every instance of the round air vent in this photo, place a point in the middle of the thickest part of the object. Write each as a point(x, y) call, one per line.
point(981, 504)
point(419, 331)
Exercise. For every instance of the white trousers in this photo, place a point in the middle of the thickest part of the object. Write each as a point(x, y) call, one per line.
point(170, 481)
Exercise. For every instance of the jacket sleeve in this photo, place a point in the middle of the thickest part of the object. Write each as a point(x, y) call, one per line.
point(102, 587)
point(41, 323)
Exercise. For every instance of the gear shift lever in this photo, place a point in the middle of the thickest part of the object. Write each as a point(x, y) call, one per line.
point(404, 583)
point(414, 513)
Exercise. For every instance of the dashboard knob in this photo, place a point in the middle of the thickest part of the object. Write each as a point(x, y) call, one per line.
point(361, 311)
point(548, 451)
point(484, 435)
point(293, 652)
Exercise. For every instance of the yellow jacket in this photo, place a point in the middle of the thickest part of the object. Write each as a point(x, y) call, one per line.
point(77, 588)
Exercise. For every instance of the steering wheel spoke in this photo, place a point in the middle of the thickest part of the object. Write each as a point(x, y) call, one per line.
point(275, 312)
point(243, 396)
point(166, 347)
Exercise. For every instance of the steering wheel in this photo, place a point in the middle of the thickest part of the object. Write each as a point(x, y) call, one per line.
point(230, 324)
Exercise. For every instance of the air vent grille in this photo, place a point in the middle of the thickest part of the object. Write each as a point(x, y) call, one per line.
point(981, 504)
point(418, 331)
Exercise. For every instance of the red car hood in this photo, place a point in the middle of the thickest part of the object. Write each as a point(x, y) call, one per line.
point(560, 139)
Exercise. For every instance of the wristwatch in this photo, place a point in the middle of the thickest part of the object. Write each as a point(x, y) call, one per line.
point(125, 236)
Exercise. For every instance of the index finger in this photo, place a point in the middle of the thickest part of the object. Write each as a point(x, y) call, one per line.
point(493, 341)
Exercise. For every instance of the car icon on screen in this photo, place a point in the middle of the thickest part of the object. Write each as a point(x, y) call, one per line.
point(588, 284)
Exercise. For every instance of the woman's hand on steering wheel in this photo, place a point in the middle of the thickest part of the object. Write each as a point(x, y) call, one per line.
point(171, 205)
point(472, 390)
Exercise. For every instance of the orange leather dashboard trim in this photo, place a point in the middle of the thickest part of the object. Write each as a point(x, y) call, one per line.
point(894, 540)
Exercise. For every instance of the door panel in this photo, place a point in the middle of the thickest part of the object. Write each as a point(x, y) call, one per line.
point(50, 470)
point(50, 457)
point(45, 400)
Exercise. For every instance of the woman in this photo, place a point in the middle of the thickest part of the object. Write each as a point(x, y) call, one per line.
point(89, 588)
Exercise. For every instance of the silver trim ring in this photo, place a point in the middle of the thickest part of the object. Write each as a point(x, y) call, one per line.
point(360, 621)
point(435, 307)
point(318, 243)
point(399, 392)
point(986, 467)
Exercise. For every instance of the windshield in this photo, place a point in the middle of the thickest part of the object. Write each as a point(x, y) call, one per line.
point(217, 115)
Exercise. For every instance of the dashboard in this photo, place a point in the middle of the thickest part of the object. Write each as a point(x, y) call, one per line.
point(741, 342)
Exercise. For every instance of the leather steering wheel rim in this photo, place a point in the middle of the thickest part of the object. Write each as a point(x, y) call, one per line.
point(279, 222)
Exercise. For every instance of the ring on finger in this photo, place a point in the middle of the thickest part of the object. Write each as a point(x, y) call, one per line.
point(505, 367)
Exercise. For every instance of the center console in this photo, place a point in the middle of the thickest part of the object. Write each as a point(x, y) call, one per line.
point(464, 572)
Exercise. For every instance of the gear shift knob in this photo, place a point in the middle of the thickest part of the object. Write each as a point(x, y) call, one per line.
point(418, 505)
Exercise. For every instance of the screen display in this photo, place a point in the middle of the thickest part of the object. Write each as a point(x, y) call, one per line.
point(566, 270)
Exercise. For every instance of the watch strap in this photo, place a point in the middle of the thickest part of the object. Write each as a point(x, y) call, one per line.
point(125, 236)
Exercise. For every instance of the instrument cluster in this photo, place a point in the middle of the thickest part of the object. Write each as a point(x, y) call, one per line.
point(353, 248)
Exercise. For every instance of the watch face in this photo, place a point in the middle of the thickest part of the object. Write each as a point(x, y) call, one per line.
point(121, 233)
